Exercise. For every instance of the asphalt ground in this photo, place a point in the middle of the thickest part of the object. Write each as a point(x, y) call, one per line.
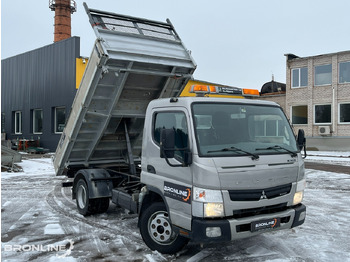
point(328, 167)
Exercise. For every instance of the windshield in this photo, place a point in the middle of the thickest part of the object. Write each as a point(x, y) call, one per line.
point(228, 129)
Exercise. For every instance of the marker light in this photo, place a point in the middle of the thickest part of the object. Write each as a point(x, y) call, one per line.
point(221, 90)
point(250, 92)
point(212, 89)
point(203, 89)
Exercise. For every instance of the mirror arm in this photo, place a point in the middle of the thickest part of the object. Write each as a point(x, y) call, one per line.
point(305, 155)
point(167, 160)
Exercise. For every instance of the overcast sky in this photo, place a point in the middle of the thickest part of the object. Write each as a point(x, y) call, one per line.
point(238, 43)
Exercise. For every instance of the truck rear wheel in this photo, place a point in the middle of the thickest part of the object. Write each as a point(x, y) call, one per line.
point(157, 232)
point(88, 206)
point(82, 197)
point(102, 204)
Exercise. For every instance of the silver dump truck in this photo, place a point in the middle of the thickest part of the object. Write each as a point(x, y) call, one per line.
point(193, 168)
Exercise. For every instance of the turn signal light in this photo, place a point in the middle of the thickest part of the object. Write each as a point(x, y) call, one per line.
point(202, 89)
point(251, 92)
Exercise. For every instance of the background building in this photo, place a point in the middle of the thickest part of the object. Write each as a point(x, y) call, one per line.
point(318, 98)
point(38, 87)
point(37, 91)
point(274, 91)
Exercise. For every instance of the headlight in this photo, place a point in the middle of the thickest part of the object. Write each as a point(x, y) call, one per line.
point(207, 203)
point(213, 210)
point(299, 194)
point(207, 195)
point(298, 197)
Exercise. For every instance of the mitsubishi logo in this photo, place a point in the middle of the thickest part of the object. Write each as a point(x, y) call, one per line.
point(263, 195)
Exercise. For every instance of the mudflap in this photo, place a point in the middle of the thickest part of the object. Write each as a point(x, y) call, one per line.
point(98, 181)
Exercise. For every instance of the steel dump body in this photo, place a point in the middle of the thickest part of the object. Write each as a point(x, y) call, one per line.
point(133, 62)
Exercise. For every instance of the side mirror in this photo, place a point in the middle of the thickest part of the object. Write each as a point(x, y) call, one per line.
point(301, 141)
point(167, 148)
point(167, 143)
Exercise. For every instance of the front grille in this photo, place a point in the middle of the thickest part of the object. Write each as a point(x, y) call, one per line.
point(257, 194)
point(241, 213)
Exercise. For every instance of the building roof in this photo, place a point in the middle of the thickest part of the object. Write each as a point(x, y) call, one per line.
point(292, 56)
point(273, 87)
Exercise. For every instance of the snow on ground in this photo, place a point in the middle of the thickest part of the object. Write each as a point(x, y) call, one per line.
point(329, 157)
point(28, 219)
point(40, 166)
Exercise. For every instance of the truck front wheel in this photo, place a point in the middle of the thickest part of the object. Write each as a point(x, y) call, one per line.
point(157, 232)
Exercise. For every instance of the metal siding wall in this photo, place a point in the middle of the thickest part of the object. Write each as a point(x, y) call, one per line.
point(43, 78)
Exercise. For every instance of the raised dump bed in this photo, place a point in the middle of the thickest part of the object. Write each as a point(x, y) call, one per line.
point(133, 61)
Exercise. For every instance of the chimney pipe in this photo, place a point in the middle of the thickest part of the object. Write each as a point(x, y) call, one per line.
point(63, 10)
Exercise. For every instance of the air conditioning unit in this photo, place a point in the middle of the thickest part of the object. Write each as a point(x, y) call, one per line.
point(324, 130)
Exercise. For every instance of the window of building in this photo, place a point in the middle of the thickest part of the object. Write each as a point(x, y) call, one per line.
point(37, 121)
point(344, 113)
point(60, 119)
point(269, 127)
point(299, 115)
point(323, 75)
point(18, 122)
point(323, 114)
point(344, 72)
point(299, 77)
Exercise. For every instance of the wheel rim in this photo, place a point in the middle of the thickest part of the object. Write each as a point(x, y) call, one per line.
point(160, 229)
point(81, 196)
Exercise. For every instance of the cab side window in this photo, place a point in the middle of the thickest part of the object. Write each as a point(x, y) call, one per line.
point(177, 121)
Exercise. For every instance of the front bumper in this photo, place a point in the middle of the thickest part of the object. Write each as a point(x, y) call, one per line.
point(231, 229)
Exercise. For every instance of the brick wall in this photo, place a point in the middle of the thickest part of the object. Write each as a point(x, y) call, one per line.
point(279, 99)
point(318, 95)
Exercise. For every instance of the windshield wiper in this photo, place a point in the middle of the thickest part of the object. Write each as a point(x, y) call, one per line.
point(235, 149)
point(276, 147)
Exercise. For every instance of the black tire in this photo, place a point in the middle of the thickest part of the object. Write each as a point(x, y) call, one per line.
point(156, 230)
point(87, 206)
point(82, 197)
point(101, 204)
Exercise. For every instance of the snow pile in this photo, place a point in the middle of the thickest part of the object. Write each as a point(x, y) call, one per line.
point(39, 166)
point(329, 157)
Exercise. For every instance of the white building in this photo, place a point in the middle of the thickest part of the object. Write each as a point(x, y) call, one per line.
point(317, 99)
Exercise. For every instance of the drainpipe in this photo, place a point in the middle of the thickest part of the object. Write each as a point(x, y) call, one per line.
point(333, 110)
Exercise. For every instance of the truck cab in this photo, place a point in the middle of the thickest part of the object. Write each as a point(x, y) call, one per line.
point(224, 168)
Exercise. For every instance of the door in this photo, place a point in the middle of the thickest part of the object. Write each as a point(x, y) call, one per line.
point(174, 182)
